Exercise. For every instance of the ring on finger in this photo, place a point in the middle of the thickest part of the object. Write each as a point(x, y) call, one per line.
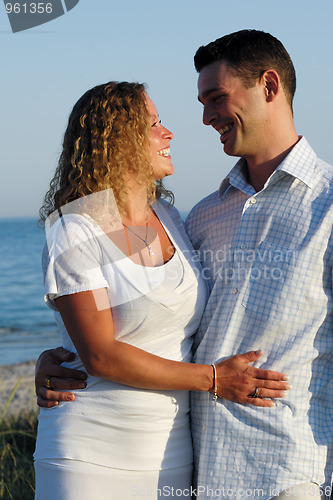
point(255, 394)
point(47, 382)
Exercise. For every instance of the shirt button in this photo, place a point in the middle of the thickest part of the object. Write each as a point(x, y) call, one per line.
point(235, 290)
point(252, 201)
point(243, 246)
point(204, 427)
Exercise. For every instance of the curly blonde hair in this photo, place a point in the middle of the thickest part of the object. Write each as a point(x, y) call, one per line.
point(107, 136)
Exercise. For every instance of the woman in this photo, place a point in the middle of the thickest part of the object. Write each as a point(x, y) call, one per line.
point(128, 297)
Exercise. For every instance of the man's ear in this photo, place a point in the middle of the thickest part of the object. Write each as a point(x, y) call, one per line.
point(272, 84)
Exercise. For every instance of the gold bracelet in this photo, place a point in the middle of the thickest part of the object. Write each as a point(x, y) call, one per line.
point(215, 395)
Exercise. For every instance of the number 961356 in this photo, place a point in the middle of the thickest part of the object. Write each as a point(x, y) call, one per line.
point(29, 8)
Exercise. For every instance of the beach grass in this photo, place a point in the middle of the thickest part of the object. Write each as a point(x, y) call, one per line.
point(17, 445)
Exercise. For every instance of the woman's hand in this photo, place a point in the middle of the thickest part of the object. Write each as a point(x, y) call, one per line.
point(236, 380)
point(241, 383)
point(59, 378)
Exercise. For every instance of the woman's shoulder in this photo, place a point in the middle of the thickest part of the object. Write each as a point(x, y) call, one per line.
point(70, 229)
point(71, 237)
point(69, 222)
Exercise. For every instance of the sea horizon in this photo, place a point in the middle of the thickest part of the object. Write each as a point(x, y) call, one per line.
point(27, 325)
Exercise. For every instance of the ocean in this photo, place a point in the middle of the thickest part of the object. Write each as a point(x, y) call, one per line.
point(27, 325)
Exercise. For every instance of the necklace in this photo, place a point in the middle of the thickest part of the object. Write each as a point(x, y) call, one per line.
point(150, 250)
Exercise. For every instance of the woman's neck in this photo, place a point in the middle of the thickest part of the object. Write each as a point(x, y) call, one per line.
point(137, 208)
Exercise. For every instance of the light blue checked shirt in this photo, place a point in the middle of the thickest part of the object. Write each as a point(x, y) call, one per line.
point(268, 260)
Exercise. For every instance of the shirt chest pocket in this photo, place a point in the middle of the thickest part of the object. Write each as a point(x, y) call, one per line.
point(277, 283)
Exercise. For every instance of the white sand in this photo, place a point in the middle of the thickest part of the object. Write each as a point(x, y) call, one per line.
point(24, 399)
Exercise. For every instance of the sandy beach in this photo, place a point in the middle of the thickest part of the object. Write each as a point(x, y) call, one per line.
point(24, 399)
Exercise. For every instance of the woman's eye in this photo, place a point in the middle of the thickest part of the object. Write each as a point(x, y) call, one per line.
point(156, 123)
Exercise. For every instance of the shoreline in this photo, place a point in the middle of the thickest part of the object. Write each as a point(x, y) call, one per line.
point(24, 399)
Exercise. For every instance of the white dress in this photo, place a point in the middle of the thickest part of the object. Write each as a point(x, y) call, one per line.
point(127, 442)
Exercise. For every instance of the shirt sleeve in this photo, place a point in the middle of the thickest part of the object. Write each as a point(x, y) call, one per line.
point(72, 259)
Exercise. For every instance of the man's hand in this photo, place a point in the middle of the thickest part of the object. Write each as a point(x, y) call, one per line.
point(241, 383)
point(60, 378)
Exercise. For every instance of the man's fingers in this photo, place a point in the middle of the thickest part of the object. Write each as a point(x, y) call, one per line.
point(61, 354)
point(63, 372)
point(61, 384)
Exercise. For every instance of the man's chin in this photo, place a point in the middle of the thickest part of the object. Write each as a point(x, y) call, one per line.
point(229, 150)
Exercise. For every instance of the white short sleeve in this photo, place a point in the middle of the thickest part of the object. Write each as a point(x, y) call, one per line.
point(72, 259)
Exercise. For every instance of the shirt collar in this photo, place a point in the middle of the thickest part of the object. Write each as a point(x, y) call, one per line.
point(300, 163)
point(236, 179)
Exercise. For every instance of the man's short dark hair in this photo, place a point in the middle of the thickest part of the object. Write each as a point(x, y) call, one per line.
point(249, 53)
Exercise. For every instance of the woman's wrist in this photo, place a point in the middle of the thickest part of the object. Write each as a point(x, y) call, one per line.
point(206, 379)
point(213, 390)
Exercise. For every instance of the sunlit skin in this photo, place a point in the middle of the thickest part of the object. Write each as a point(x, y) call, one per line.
point(136, 217)
point(254, 123)
point(92, 330)
point(160, 138)
point(228, 104)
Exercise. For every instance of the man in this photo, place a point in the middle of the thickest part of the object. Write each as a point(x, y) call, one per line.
point(264, 240)
point(265, 243)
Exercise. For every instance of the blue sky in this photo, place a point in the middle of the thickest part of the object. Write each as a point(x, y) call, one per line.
point(46, 69)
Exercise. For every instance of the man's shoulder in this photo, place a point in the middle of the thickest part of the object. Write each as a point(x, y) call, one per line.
point(316, 172)
point(202, 213)
point(323, 182)
point(325, 169)
point(204, 206)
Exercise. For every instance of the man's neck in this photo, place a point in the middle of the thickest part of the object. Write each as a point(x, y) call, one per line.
point(258, 171)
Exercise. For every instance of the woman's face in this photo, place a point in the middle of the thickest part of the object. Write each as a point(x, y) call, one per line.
point(160, 138)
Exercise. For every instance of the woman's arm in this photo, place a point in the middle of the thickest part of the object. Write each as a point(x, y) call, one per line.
point(88, 319)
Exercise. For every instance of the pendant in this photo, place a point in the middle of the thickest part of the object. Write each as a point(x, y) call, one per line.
point(150, 250)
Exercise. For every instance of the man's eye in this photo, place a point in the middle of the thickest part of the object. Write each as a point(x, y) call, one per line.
point(156, 123)
point(218, 98)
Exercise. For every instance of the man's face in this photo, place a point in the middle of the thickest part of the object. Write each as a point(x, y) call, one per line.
point(239, 114)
